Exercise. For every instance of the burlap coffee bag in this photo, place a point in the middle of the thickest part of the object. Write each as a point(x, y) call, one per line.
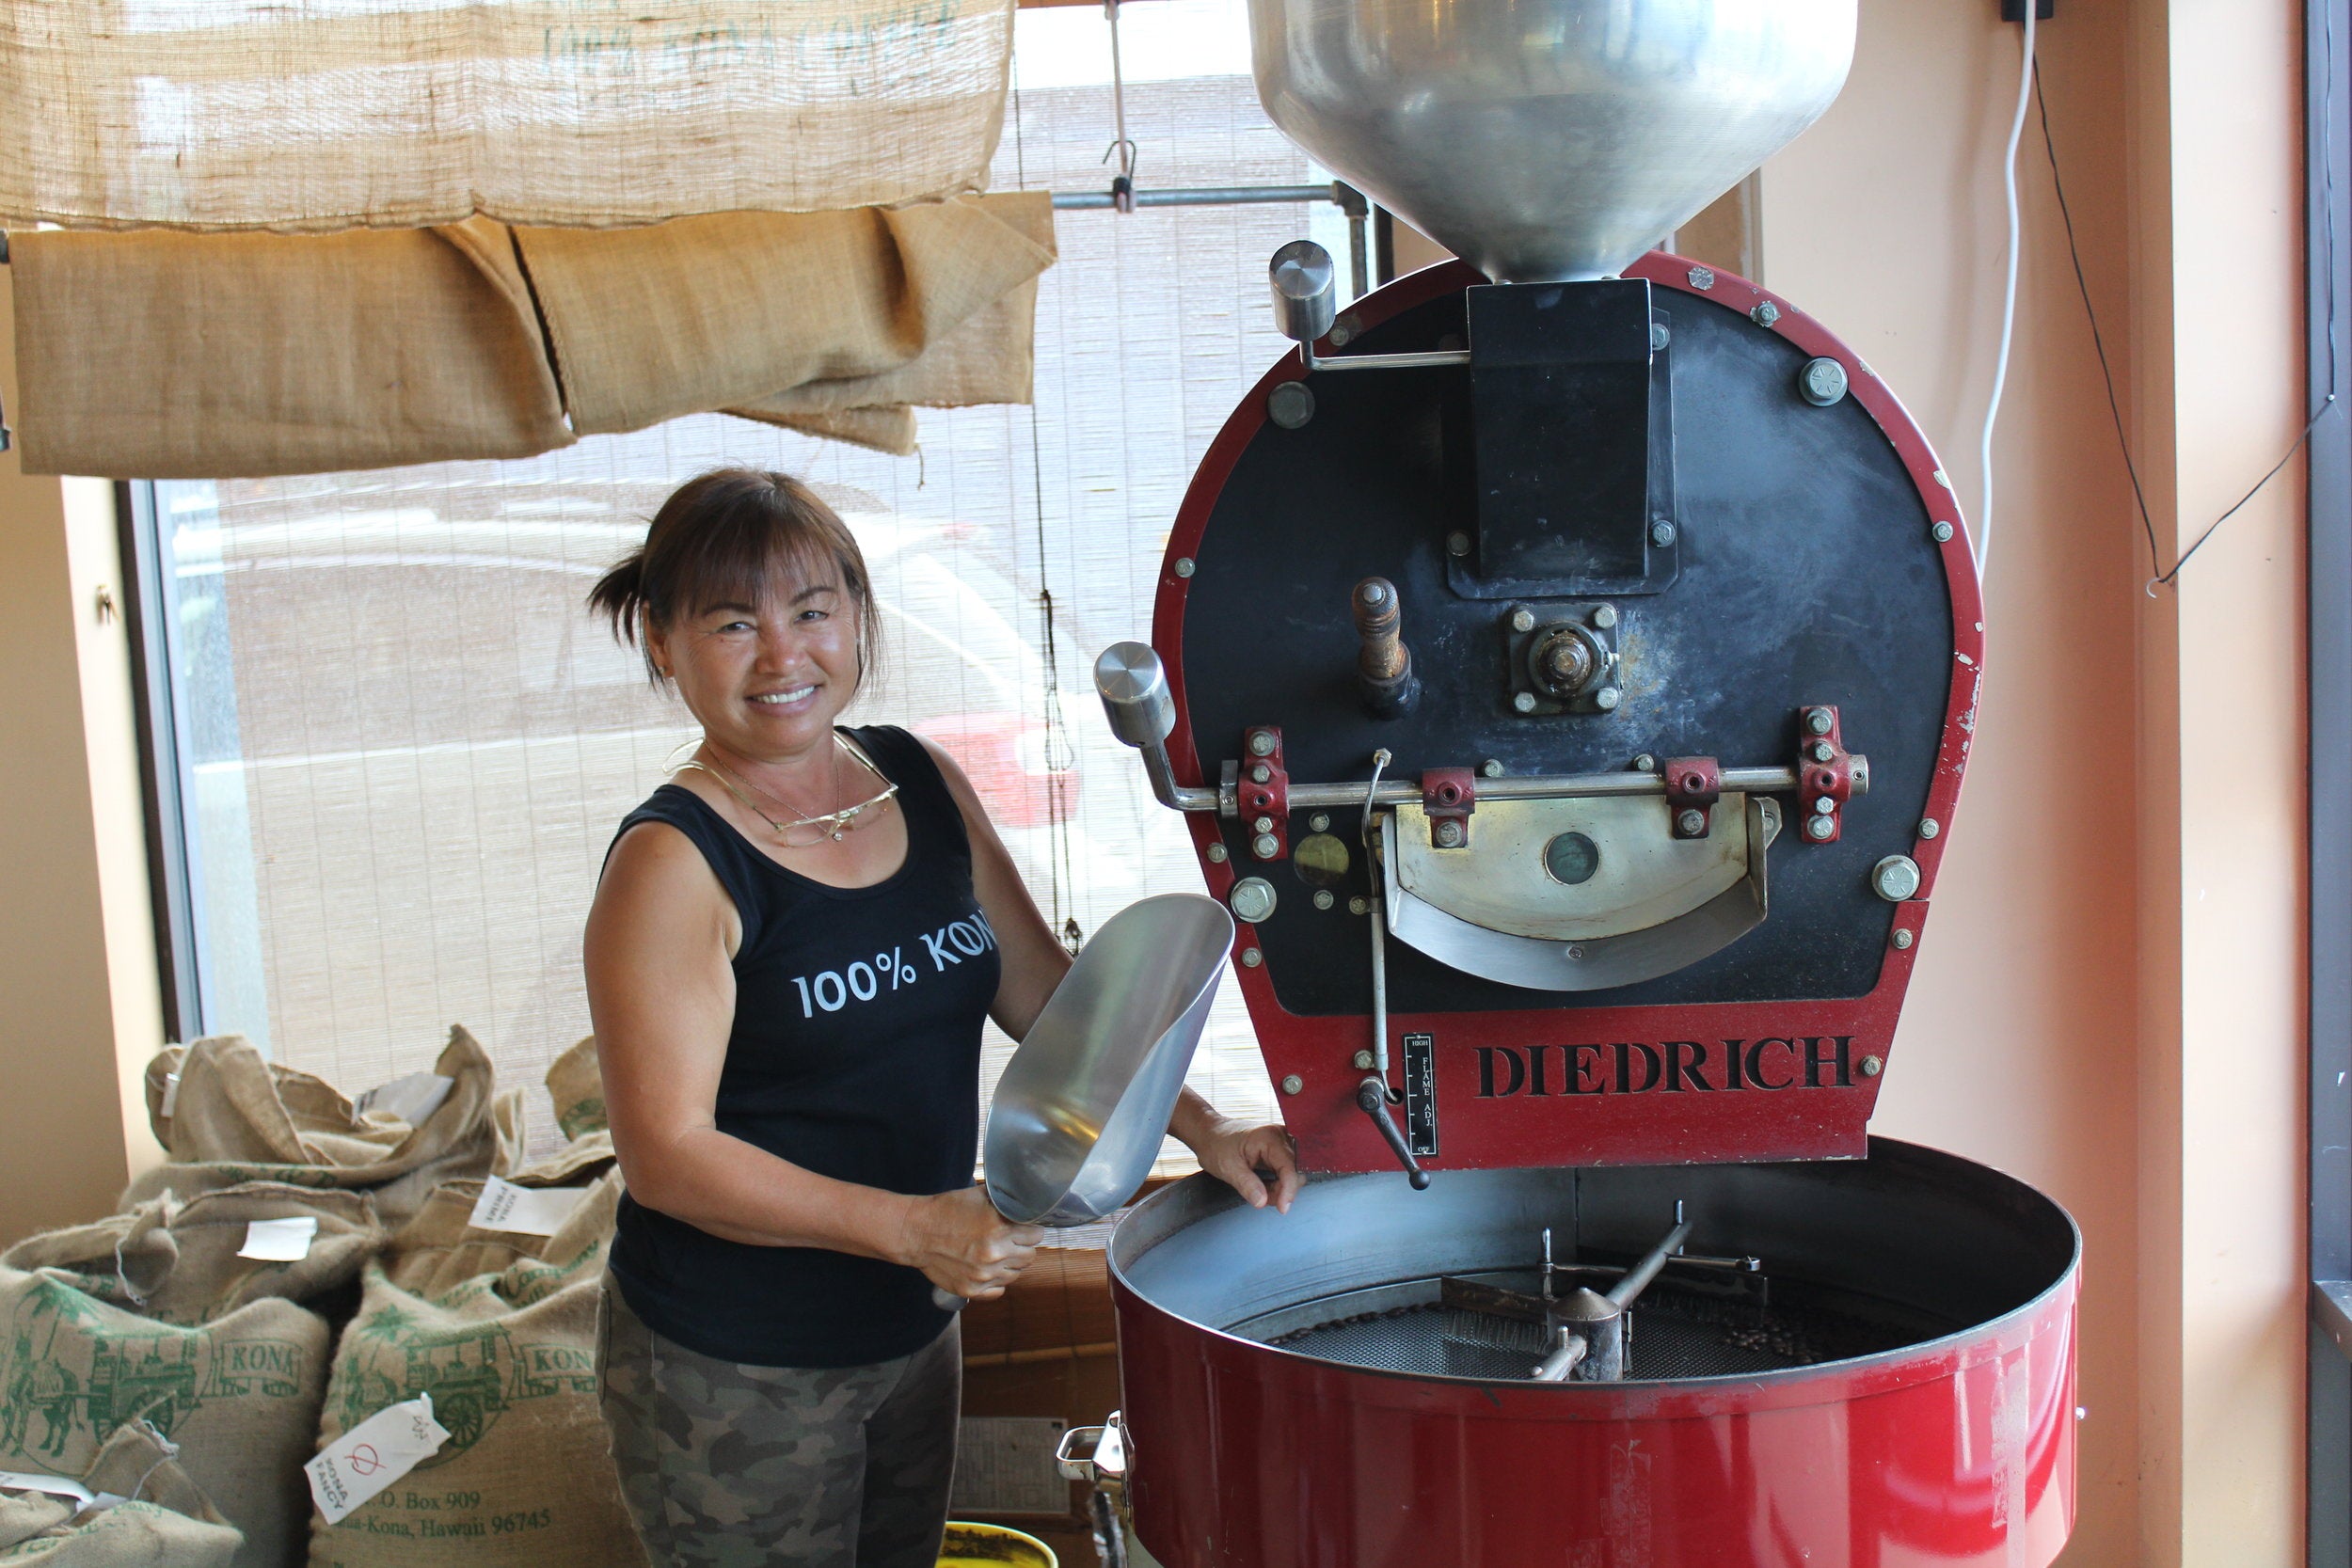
point(239, 1395)
point(499, 1329)
point(576, 1085)
point(164, 1520)
point(236, 1118)
point(183, 1264)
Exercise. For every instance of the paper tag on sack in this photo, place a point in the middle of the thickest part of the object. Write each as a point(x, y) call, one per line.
point(413, 1099)
point(57, 1486)
point(373, 1455)
point(527, 1210)
point(279, 1241)
point(171, 1093)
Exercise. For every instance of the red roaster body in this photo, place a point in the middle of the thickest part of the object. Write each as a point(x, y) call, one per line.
point(1952, 1456)
point(1776, 1340)
point(1616, 1085)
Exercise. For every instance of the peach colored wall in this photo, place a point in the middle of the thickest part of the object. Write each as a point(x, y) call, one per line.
point(1886, 221)
point(79, 1008)
point(2107, 899)
point(2223, 851)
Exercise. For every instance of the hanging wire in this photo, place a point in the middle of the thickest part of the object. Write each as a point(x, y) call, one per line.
point(2098, 342)
point(1061, 756)
point(1122, 145)
point(2009, 292)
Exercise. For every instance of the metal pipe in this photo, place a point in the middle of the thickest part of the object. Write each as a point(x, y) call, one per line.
point(1740, 1265)
point(1556, 1367)
point(1538, 786)
point(1199, 196)
point(1637, 1278)
point(1165, 788)
point(1534, 786)
point(1385, 361)
point(1379, 987)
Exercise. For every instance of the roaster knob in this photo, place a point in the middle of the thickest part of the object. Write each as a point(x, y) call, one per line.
point(1133, 687)
point(1304, 281)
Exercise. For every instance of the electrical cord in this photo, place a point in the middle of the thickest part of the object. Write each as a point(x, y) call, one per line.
point(2098, 340)
point(2009, 292)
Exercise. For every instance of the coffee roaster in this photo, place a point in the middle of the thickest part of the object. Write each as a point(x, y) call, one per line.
point(1566, 661)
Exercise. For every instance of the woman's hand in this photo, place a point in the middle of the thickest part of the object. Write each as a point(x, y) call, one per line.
point(1236, 1151)
point(963, 1246)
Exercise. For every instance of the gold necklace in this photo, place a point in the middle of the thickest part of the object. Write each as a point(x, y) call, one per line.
point(829, 825)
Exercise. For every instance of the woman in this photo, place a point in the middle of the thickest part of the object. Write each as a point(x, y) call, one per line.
point(797, 1125)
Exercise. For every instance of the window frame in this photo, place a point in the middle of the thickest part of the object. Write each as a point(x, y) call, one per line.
point(2327, 160)
point(155, 712)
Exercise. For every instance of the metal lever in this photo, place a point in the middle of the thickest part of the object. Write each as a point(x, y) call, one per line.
point(1303, 281)
point(1636, 1279)
point(1556, 1367)
point(1133, 687)
point(1384, 665)
point(1372, 1098)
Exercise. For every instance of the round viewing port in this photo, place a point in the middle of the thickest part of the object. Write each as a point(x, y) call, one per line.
point(1571, 858)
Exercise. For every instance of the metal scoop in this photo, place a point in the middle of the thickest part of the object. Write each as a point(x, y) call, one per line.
point(1080, 1112)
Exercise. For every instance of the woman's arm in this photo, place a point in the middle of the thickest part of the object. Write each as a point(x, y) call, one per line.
point(1034, 958)
point(661, 993)
point(1035, 961)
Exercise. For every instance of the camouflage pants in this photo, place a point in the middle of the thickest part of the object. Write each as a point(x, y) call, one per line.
point(734, 1466)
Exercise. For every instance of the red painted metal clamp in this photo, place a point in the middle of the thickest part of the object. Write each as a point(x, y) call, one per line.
point(1824, 774)
point(1693, 784)
point(1448, 796)
point(1265, 794)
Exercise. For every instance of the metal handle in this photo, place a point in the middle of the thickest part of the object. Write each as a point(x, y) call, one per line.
point(1372, 1098)
point(1304, 284)
point(1101, 1460)
point(946, 1299)
point(1073, 1464)
point(1132, 683)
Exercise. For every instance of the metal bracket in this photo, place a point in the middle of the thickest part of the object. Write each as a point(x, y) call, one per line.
point(1264, 792)
point(1448, 796)
point(1693, 784)
point(1560, 657)
point(1828, 775)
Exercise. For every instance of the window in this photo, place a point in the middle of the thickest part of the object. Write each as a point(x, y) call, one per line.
point(399, 746)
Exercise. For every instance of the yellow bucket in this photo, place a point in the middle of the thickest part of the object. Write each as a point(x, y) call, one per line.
point(994, 1547)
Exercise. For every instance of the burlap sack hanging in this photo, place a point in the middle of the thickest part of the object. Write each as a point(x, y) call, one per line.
point(158, 356)
point(239, 1395)
point(162, 356)
point(183, 1262)
point(302, 116)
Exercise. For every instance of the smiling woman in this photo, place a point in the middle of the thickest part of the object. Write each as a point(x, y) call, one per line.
point(791, 954)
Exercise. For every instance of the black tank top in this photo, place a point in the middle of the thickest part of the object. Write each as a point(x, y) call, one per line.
point(855, 1053)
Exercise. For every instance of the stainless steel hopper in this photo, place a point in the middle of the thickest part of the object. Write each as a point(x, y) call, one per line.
point(1547, 139)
